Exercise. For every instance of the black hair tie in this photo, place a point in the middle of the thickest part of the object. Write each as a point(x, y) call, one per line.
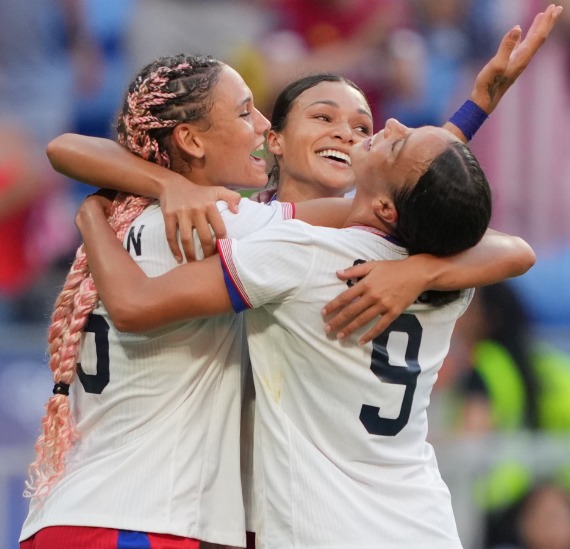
point(61, 388)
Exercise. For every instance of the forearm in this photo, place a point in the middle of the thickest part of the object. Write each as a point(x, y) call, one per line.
point(497, 257)
point(324, 212)
point(136, 302)
point(106, 164)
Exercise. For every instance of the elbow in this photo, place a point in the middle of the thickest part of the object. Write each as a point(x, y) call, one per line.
point(526, 257)
point(128, 317)
point(56, 151)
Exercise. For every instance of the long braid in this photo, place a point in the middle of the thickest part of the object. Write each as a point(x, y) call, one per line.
point(167, 92)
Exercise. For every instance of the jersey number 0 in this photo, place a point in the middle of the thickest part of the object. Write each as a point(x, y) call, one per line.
point(95, 383)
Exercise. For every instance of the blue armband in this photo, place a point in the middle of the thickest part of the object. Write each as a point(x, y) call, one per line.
point(469, 118)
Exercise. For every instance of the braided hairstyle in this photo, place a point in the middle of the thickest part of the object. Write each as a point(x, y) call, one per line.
point(446, 212)
point(167, 92)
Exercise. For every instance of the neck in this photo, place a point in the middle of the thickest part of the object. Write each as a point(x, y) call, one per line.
point(362, 213)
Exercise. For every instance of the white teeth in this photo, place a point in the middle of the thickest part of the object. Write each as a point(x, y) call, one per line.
point(331, 153)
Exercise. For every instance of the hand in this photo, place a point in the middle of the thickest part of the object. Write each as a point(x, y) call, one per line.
point(97, 204)
point(387, 289)
point(187, 206)
point(511, 59)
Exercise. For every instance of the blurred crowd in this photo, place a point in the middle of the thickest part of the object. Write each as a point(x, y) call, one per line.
point(63, 64)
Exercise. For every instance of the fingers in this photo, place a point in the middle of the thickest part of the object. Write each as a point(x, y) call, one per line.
point(541, 26)
point(359, 314)
point(507, 45)
point(232, 198)
point(207, 242)
point(171, 229)
point(361, 320)
point(378, 328)
point(354, 315)
point(357, 271)
point(216, 222)
point(341, 301)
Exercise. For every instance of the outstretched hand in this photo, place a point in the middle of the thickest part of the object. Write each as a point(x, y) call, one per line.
point(384, 289)
point(187, 206)
point(512, 58)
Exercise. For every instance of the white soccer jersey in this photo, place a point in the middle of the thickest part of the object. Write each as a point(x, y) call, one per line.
point(159, 414)
point(341, 458)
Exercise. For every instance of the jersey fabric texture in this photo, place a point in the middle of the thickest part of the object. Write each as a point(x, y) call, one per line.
point(158, 413)
point(341, 457)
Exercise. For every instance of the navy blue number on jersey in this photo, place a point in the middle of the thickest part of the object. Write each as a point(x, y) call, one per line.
point(95, 383)
point(371, 416)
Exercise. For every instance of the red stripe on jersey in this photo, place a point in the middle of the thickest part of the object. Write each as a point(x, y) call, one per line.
point(288, 210)
point(166, 541)
point(224, 246)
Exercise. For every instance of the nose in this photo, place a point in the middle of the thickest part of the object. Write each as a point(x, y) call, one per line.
point(344, 132)
point(262, 124)
point(392, 126)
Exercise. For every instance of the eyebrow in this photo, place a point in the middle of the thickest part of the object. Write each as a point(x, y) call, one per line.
point(247, 100)
point(335, 104)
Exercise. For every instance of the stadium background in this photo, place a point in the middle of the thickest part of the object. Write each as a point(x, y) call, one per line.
point(433, 47)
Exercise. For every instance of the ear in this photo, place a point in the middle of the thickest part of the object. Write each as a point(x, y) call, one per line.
point(274, 143)
point(188, 140)
point(385, 210)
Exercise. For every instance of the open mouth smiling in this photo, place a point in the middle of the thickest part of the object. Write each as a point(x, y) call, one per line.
point(337, 156)
point(258, 155)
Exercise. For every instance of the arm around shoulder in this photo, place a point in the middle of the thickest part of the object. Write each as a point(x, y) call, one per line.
point(136, 302)
point(105, 163)
point(498, 256)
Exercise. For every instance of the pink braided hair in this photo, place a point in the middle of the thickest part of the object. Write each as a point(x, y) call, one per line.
point(79, 296)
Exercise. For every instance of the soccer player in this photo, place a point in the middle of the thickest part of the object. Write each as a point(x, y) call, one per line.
point(341, 458)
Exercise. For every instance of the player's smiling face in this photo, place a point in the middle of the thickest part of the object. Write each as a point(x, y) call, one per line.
point(314, 147)
point(397, 155)
point(235, 130)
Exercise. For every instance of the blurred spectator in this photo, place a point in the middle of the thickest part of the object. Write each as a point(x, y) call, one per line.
point(94, 111)
point(108, 23)
point(450, 40)
point(352, 38)
point(45, 56)
point(508, 382)
point(541, 520)
point(209, 27)
point(35, 229)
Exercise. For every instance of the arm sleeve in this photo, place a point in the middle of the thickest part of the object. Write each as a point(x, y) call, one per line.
point(253, 216)
point(271, 266)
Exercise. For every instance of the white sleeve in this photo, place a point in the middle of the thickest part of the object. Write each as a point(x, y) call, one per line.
point(253, 216)
point(270, 266)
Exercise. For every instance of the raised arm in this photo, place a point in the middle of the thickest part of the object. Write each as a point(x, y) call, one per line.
point(136, 302)
point(186, 206)
point(500, 73)
point(387, 288)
